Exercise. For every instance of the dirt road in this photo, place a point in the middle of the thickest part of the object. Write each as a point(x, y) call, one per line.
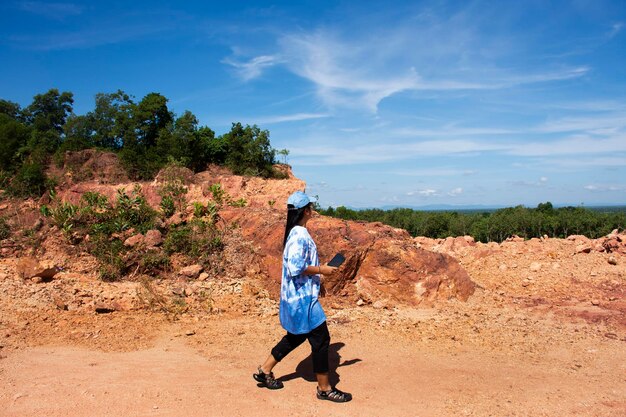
point(203, 367)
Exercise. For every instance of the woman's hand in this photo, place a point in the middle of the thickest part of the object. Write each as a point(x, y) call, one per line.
point(327, 270)
point(320, 270)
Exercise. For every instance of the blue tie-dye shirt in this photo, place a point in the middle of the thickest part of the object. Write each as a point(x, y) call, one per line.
point(300, 310)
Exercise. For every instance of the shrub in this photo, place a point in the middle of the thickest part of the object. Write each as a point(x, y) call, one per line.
point(153, 263)
point(173, 196)
point(178, 241)
point(239, 203)
point(132, 210)
point(219, 195)
point(199, 239)
point(30, 180)
point(5, 230)
point(199, 210)
point(167, 206)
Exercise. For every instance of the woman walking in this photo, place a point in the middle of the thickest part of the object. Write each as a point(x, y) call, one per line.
point(301, 314)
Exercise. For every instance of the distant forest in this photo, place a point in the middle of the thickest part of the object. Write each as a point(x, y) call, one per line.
point(146, 135)
point(494, 226)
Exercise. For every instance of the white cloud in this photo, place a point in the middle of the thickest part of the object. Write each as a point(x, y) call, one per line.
point(455, 192)
point(252, 68)
point(288, 118)
point(425, 193)
point(604, 187)
point(615, 29)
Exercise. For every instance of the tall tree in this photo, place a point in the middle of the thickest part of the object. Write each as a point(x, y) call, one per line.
point(113, 120)
point(150, 116)
point(49, 111)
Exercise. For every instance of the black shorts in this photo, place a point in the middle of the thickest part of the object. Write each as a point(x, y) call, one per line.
point(319, 338)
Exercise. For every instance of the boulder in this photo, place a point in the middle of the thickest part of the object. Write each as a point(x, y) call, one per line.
point(176, 219)
point(612, 244)
point(191, 271)
point(29, 268)
point(153, 238)
point(134, 241)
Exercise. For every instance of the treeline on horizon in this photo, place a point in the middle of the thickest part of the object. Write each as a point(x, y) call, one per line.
point(146, 135)
point(495, 226)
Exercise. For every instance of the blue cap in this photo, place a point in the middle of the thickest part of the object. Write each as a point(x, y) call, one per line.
point(299, 199)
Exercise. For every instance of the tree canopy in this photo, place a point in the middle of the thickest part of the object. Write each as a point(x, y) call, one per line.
point(147, 135)
point(493, 226)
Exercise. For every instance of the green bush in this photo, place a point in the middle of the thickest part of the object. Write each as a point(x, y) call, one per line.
point(5, 230)
point(29, 181)
point(239, 203)
point(199, 239)
point(168, 207)
point(153, 263)
point(178, 240)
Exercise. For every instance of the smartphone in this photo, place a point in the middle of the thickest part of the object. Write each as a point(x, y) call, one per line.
point(337, 260)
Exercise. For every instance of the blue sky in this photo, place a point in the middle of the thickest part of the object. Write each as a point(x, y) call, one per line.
point(396, 104)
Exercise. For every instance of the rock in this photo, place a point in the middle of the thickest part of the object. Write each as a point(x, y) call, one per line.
point(595, 302)
point(360, 302)
point(180, 290)
point(134, 241)
point(203, 276)
point(502, 267)
point(611, 244)
point(29, 268)
point(514, 238)
point(612, 260)
point(382, 262)
point(614, 233)
point(153, 238)
point(584, 248)
point(176, 219)
point(191, 271)
point(38, 224)
point(190, 332)
point(104, 308)
point(379, 304)
point(535, 266)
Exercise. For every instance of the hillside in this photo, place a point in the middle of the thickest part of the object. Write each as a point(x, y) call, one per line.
point(419, 326)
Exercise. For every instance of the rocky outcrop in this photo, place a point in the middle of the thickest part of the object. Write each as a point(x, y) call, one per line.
point(382, 263)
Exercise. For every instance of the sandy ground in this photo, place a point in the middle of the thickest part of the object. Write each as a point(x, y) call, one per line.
point(544, 335)
point(203, 367)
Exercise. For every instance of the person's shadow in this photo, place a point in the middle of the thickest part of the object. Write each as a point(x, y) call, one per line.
point(305, 367)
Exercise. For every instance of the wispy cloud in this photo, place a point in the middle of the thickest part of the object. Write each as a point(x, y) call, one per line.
point(360, 73)
point(252, 68)
point(342, 71)
point(429, 192)
point(604, 188)
point(615, 29)
point(84, 39)
point(542, 182)
point(455, 192)
point(432, 172)
point(57, 11)
point(288, 118)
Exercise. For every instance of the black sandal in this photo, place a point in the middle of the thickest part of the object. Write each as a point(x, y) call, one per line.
point(334, 395)
point(267, 380)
